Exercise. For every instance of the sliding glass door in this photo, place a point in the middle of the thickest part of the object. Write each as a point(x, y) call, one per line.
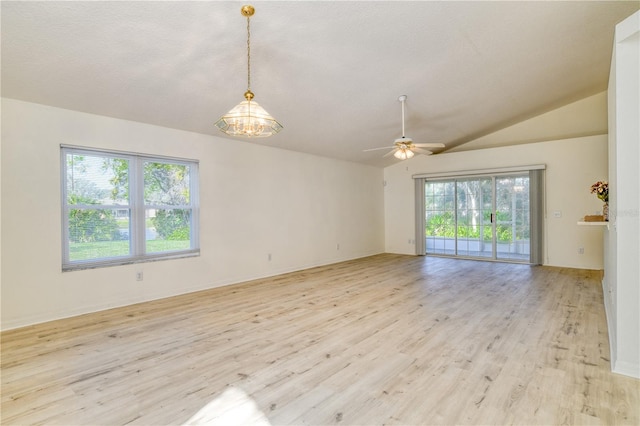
point(474, 230)
point(478, 217)
point(513, 225)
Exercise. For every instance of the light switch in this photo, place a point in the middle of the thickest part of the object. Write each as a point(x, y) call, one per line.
point(557, 214)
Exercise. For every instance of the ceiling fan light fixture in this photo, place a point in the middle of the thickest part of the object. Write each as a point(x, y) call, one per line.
point(403, 153)
point(248, 118)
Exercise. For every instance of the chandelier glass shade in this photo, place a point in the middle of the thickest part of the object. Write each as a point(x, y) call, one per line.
point(248, 118)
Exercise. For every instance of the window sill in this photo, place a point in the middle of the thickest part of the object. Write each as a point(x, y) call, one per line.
point(128, 261)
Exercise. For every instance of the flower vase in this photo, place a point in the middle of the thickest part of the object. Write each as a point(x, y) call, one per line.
point(605, 211)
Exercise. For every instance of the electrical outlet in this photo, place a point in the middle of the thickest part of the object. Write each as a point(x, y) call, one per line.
point(269, 257)
point(557, 214)
point(139, 276)
point(337, 246)
point(580, 250)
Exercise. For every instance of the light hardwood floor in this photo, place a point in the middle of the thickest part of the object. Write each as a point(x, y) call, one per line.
point(386, 339)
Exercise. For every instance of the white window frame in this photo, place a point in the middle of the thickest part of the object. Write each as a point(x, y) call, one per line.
point(136, 206)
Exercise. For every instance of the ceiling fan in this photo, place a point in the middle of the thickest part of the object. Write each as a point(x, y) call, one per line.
point(404, 148)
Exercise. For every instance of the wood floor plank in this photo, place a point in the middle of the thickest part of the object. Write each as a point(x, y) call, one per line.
point(387, 339)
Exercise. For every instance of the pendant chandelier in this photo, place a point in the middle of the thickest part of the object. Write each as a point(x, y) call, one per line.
point(248, 118)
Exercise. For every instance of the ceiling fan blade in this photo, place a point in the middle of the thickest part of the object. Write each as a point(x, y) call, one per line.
point(376, 149)
point(389, 153)
point(421, 151)
point(429, 145)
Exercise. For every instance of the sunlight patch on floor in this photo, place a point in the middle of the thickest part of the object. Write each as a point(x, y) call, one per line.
point(233, 407)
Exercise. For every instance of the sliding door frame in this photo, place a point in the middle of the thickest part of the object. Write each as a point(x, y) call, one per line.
point(536, 204)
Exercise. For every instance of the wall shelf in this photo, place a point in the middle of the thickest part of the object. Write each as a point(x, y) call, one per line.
point(583, 223)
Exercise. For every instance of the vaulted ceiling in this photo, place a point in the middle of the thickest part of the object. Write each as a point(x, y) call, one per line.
point(330, 71)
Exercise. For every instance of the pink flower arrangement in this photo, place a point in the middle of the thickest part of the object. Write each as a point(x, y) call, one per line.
point(601, 189)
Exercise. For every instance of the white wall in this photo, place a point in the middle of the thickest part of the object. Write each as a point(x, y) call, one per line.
point(572, 166)
point(254, 200)
point(622, 270)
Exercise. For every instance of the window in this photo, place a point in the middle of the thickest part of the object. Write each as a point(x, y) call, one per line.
point(121, 208)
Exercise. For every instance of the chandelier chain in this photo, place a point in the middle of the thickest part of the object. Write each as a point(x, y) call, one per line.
point(248, 54)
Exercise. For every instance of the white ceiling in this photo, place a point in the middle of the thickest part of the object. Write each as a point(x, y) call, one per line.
point(329, 71)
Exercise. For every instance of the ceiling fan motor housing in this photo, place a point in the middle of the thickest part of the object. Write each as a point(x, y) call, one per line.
point(403, 140)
